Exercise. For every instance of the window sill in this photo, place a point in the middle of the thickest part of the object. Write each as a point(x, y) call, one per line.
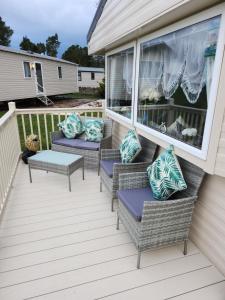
point(164, 140)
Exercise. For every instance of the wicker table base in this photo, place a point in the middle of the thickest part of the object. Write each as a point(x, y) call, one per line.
point(56, 162)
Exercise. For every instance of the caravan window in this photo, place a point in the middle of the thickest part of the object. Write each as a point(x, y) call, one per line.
point(120, 81)
point(175, 75)
point(60, 72)
point(26, 69)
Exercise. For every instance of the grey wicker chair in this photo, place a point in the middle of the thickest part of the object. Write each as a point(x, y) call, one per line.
point(162, 222)
point(91, 156)
point(110, 179)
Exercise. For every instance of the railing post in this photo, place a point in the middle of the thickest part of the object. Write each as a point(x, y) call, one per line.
point(12, 106)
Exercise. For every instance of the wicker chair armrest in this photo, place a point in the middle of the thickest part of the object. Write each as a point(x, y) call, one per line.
point(135, 180)
point(56, 135)
point(110, 154)
point(179, 210)
point(106, 142)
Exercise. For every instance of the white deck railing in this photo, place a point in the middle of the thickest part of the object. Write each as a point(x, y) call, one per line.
point(43, 121)
point(9, 152)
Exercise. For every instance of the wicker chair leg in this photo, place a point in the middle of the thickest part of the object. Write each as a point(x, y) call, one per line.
point(100, 186)
point(185, 247)
point(112, 202)
point(118, 222)
point(139, 259)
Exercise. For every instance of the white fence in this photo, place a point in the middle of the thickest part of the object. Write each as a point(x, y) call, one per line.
point(44, 121)
point(9, 152)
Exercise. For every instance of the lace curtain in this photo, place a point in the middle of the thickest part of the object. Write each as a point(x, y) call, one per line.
point(178, 59)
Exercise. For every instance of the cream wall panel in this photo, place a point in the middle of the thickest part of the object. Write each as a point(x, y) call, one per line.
point(14, 86)
point(122, 21)
point(208, 228)
point(88, 82)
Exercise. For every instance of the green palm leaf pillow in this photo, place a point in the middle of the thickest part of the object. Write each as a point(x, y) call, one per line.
point(72, 126)
point(94, 130)
point(165, 175)
point(130, 147)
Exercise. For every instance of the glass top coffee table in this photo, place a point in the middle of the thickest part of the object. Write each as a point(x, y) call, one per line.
point(56, 162)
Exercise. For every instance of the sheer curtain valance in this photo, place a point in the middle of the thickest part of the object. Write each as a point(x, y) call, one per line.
point(179, 59)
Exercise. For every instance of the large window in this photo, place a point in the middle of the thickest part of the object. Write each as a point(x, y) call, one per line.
point(175, 74)
point(26, 69)
point(120, 81)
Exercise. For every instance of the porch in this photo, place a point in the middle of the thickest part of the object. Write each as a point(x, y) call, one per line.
point(60, 245)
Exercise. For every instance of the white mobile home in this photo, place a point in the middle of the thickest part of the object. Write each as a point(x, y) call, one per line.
point(90, 77)
point(165, 74)
point(28, 75)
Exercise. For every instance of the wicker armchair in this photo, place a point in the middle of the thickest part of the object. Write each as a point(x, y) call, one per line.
point(90, 150)
point(110, 178)
point(161, 222)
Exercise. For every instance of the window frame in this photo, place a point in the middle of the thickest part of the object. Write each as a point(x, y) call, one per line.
point(210, 13)
point(109, 112)
point(59, 68)
point(92, 77)
point(24, 74)
point(79, 76)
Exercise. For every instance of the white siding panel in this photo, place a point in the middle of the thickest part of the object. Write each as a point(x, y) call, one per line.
point(121, 19)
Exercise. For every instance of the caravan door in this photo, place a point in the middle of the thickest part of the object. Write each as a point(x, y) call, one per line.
point(39, 78)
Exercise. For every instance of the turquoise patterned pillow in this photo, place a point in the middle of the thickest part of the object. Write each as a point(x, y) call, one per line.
point(130, 147)
point(72, 126)
point(94, 130)
point(165, 175)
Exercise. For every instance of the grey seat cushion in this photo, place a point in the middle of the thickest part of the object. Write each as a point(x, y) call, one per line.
point(78, 143)
point(134, 199)
point(107, 166)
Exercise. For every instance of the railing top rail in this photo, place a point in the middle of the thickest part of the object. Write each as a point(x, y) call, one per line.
point(57, 110)
point(6, 117)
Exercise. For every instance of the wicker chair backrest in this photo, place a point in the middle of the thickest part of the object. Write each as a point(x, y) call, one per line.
point(193, 176)
point(148, 151)
point(107, 127)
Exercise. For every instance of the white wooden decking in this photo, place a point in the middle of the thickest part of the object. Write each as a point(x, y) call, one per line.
point(60, 245)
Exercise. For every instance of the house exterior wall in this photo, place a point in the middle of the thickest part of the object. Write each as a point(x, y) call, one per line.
point(122, 21)
point(86, 80)
point(208, 227)
point(13, 84)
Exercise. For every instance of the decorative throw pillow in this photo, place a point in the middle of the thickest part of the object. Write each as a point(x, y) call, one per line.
point(130, 147)
point(72, 126)
point(94, 130)
point(165, 175)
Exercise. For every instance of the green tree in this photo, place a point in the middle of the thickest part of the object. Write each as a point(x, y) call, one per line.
point(79, 55)
point(27, 45)
point(41, 48)
point(5, 33)
point(52, 45)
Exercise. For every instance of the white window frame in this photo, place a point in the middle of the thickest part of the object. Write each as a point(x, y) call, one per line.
point(109, 112)
point(204, 15)
point(60, 78)
point(24, 75)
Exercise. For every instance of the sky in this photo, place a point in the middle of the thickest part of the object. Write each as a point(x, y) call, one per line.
point(38, 19)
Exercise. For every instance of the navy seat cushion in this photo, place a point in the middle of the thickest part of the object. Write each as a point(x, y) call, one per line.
point(134, 199)
point(107, 166)
point(78, 143)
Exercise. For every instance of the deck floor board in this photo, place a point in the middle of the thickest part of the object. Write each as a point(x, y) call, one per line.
point(60, 245)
